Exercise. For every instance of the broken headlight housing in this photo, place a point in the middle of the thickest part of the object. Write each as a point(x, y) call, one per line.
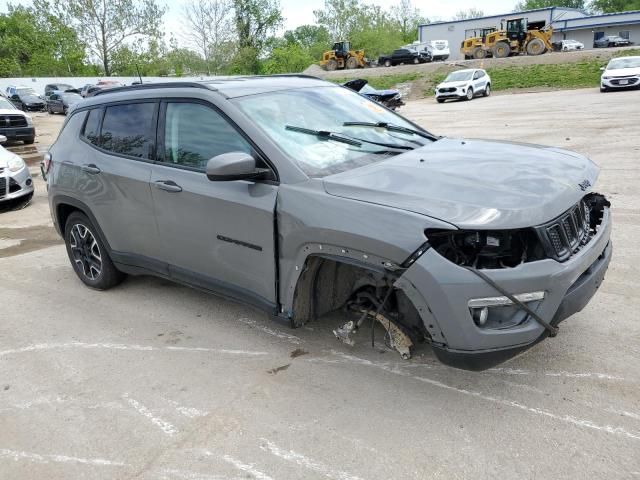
point(487, 249)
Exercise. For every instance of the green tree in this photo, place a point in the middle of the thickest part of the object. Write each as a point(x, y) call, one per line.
point(338, 17)
point(611, 6)
point(407, 17)
point(287, 58)
point(107, 26)
point(533, 4)
point(255, 22)
point(312, 38)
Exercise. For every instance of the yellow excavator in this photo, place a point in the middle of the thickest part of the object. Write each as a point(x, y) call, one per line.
point(473, 47)
point(516, 38)
point(341, 56)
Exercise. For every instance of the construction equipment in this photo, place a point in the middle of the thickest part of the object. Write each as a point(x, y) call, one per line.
point(341, 56)
point(473, 47)
point(516, 38)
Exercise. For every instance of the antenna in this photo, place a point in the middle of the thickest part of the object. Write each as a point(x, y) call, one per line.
point(139, 76)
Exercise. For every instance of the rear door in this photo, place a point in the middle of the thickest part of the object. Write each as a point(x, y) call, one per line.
point(113, 171)
point(218, 235)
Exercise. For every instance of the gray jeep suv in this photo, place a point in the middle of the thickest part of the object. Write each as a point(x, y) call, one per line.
point(302, 197)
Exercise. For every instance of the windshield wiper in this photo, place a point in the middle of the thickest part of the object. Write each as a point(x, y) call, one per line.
point(391, 128)
point(357, 142)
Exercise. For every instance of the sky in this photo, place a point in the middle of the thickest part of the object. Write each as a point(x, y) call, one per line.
point(300, 12)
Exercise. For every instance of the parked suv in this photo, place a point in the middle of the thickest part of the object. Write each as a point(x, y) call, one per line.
point(404, 55)
point(464, 85)
point(259, 188)
point(25, 98)
point(15, 124)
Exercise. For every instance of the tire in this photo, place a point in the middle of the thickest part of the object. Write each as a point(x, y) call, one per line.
point(64, 110)
point(469, 95)
point(331, 65)
point(88, 255)
point(49, 111)
point(416, 61)
point(536, 47)
point(29, 141)
point(387, 63)
point(351, 63)
point(604, 89)
point(479, 53)
point(501, 50)
point(487, 90)
point(440, 100)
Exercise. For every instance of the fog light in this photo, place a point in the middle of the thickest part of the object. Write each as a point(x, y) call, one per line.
point(480, 315)
point(500, 317)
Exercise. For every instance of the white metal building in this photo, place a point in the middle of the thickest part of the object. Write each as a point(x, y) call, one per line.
point(566, 22)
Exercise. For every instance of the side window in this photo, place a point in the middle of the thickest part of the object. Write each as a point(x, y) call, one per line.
point(476, 75)
point(128, 129)
point(194, 133)
point(54, 97)
point(91, 126)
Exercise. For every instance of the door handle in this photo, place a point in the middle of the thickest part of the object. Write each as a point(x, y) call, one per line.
point(90, 168)
point(168, 186)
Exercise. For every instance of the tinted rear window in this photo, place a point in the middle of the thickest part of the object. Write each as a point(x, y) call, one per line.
point(91, 127)
point(128, 129)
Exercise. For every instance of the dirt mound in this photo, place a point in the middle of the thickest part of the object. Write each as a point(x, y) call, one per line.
point(315, 70)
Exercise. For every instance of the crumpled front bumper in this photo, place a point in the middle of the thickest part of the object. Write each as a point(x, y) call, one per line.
point(23, 180)
point(440, 290)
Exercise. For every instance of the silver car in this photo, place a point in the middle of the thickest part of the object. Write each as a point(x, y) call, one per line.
point(15, 179)
point(302, 197)
point(464, 85)
point(620, 73)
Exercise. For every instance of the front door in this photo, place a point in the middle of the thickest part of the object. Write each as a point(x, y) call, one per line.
point(217, 235)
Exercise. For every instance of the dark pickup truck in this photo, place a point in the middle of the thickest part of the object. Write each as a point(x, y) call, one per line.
point(404, 55)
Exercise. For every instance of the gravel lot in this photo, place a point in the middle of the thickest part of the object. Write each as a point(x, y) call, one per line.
point(155, 381)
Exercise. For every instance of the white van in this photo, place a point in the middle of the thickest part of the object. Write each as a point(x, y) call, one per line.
point(439, 49)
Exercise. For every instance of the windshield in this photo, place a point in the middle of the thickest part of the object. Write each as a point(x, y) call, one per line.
point(4, 103)
point(460, 76)
point(326, 109)
point(71, 97)
point(25, 91)
point(628, 62)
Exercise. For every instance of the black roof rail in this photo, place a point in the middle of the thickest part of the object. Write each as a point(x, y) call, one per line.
point(148, 86)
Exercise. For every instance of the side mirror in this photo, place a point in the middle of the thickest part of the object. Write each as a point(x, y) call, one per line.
point(3, 139)
point(233, 166)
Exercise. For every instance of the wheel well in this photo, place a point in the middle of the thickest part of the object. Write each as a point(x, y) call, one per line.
point(63, 211)
point(329, 284)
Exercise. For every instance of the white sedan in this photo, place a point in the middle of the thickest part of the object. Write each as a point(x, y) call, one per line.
point(569, 45)
point(15, 179)
point(464, 85)
point(621, 72)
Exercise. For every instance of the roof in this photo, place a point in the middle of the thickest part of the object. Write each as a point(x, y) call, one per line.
point(508, 14)
point(229, 86)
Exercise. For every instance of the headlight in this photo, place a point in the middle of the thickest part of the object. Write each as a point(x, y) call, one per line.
point(604, 77)
point(15, 164)
point(29, 120)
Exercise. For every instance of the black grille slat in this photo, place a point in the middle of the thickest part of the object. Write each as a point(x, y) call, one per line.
point(568, 232)
point(3, 186)
point(12, 121)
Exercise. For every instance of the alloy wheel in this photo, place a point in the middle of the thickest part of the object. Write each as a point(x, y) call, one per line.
point(85, 251)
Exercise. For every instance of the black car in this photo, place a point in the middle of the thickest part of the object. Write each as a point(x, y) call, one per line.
point(404, 55)
point(391, 98)
point(55, 87)
point(26, 99)
point(60, 102)
point(612, 41)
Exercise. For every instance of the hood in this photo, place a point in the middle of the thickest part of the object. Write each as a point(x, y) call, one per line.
point(383, 93)
point(31, 99)
point(72, 100)
point(473, 183)
point(622, 72)
point(12, 111)
point(453, 84)
point(5, 156)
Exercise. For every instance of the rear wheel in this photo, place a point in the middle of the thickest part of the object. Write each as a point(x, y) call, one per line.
point(88, 255)
point(479, 53)
point(387, 63)
point(331, 65)
point(536, 47)
point(351, 63)
point(469, 95)
point(487, 90)
point(501, 50)
point(49, 111)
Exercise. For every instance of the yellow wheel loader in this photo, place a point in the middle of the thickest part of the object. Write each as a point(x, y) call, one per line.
point(341, 57)
point(474, 47)
point(516, 38)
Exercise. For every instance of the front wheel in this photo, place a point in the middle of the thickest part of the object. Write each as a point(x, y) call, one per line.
point(469, 95)
point(416, 61)
point(29, 141)
point(88, 255)
point(440, 100)
point(387, 63)
point(487, 90)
